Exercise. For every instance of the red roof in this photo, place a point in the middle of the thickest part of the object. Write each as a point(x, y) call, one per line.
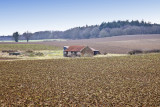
point(75, 48)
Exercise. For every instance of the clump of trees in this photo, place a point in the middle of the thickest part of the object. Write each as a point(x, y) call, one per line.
point(27, 35)
point(119, 24)
point(115, 28)
point(133, 52)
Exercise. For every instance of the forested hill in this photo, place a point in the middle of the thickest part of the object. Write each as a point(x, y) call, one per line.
point(115, 28)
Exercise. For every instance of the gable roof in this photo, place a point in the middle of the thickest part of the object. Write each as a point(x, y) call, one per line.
point(75, 48)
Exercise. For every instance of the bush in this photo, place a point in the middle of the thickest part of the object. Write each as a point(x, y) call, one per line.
point(29, 51)
point(9, 51)
point(153, 51)
point(140, 51)
point(39, 54)
point(31, 55)
point(105, 53)
point(135, 52)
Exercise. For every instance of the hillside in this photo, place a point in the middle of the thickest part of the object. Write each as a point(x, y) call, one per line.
point(117, 44)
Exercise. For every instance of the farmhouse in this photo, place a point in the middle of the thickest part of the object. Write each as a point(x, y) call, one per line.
point(78, 51)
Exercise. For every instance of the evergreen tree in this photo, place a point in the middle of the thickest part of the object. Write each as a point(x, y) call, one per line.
point(16, 36)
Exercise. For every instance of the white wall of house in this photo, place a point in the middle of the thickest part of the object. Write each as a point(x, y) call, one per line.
point(78, 53)
point(69, 53)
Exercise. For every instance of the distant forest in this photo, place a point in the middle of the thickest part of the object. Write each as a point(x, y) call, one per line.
point(115, 28)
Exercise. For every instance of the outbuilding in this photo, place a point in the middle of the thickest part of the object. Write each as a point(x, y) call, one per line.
point(79, 51)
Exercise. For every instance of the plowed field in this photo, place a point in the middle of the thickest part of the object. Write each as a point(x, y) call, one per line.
point(115, 81)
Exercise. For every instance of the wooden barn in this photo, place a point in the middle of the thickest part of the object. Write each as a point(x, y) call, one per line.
point(79, 51)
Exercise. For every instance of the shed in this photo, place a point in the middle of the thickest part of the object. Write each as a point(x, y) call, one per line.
point(78, 51)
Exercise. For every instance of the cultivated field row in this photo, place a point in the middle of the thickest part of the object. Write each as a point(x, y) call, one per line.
point(114, 81)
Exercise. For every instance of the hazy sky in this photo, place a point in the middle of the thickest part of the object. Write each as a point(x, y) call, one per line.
point(40, 15)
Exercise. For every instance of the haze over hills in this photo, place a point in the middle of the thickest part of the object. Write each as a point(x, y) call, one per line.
point(115, 28)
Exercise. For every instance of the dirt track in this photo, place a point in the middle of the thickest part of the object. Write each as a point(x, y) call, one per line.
point(3, 58)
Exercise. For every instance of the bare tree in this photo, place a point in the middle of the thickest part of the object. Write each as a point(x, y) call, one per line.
point(94, 32)
point(103, 33)
point(27, 35)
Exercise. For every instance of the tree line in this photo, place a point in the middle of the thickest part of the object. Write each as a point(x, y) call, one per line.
point(106, 29)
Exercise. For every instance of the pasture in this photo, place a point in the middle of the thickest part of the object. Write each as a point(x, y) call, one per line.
point(23, 47)
point(41, 40)
point(110, 81)
point(30, 51)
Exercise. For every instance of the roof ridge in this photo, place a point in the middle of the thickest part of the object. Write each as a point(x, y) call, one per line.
point(75, 48)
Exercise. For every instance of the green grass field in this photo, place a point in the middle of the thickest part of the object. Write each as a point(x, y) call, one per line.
point(41, 40)
point(47, 51)
point(113, 81)
point(27, 47)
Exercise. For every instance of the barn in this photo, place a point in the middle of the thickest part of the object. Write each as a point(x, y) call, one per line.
point(79, 51)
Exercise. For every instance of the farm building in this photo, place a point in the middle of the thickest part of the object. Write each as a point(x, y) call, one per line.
point(78, 51)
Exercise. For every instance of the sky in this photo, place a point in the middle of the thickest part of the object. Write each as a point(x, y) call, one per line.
point(41, 15)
